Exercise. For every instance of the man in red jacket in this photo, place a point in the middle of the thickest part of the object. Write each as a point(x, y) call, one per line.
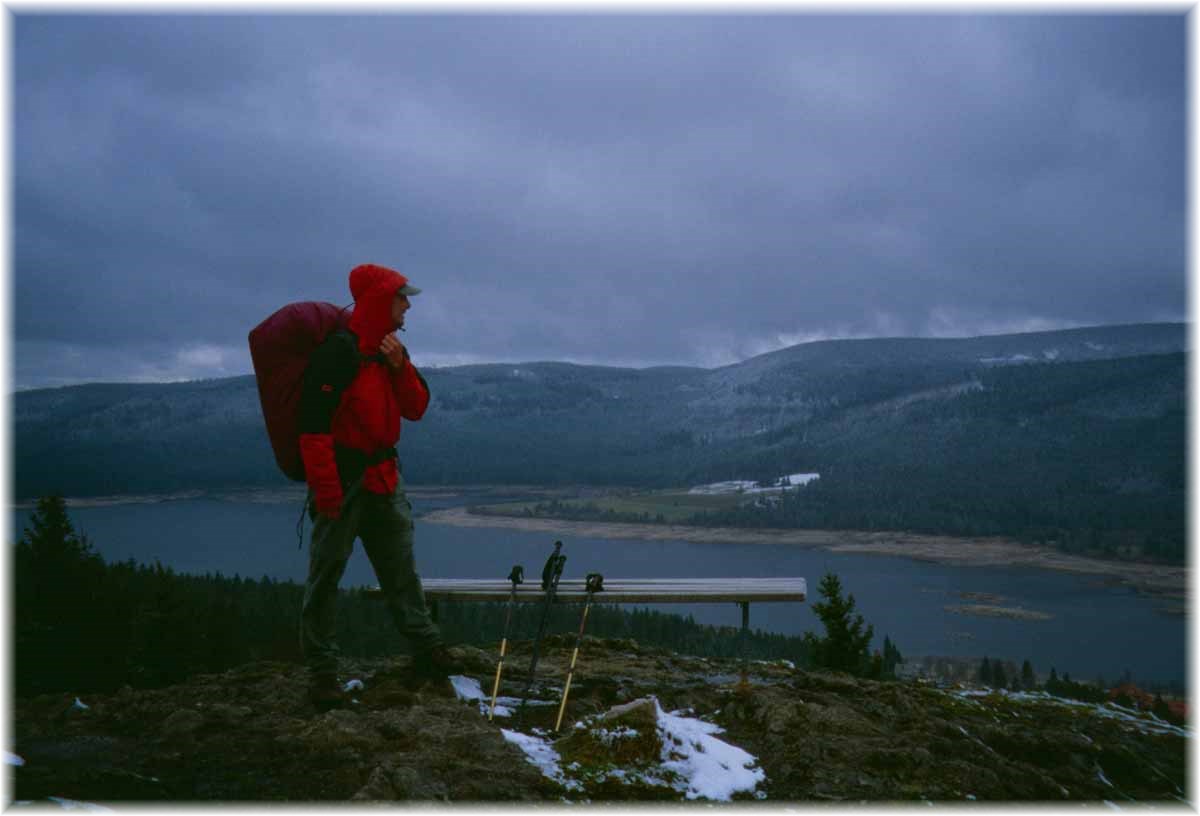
point(358, 386)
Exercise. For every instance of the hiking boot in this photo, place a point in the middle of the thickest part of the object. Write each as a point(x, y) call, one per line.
point(436, 662)
point(325, 692)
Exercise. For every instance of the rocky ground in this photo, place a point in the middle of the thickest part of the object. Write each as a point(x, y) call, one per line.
point(249, 735)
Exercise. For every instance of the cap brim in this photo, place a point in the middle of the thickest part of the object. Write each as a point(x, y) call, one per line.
point(406, 289)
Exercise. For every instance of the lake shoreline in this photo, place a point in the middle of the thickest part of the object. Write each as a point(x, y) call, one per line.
point(993, 551)
point(1162, 581)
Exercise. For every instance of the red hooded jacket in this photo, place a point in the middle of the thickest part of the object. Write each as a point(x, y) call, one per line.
point(357, 401)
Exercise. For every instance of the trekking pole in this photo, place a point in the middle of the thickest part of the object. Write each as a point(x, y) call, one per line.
point(552, 565)
point(595, 583)
point(517, 576)
point(551, 573)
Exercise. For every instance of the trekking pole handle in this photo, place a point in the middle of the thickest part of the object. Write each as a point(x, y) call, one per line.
point(552, 565)
point(517, 576)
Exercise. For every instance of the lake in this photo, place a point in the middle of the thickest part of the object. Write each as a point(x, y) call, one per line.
point(1093, 629)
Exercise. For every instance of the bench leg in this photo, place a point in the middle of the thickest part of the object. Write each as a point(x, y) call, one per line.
point(745, 639)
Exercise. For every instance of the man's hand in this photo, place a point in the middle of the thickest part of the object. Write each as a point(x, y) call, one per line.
point(393, 350)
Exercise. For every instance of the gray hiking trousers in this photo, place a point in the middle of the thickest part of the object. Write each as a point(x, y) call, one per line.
point(384, 523)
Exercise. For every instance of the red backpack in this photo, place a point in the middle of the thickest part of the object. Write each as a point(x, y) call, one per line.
point(279, 348)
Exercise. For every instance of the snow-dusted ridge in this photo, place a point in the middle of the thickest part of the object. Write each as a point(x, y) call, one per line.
point(1143, 721)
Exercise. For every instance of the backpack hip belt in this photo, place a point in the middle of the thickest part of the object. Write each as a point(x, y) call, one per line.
point(352, 462)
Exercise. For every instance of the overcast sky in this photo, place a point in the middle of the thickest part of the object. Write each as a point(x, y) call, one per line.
point(623, 190)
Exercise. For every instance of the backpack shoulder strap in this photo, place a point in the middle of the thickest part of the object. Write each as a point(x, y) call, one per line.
point(330, 371)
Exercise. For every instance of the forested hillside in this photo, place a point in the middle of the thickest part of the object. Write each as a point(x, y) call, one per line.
point(1088, 456)
point(1077, 437)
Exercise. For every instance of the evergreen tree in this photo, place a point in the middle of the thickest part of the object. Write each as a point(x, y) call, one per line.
point(874, 666)
point(1028, 680)
point(891, 657)
point(999, 678)
point(52, 549)
point(60, 616)
point(847, 640)
point(985, 673)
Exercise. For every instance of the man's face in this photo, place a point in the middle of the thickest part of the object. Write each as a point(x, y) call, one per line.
point(400, 305)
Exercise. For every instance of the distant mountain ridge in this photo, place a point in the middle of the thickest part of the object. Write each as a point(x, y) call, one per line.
point(1084, 408)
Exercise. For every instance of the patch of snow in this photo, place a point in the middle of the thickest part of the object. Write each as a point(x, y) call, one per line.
point(1100, 775)
point(1050, 354)
point(1126, 709)
point(71, 804)
point(469, 689)
point(504, 707)
point(722, 488)
point(711, 768)
point(971, 797)
point(353, 685)
point(749, 486)
point(1010, 360)
point(1112, 805)
point(619, 733)
point(540, 753)
point(79, 705)
point(466, 688)
point(699, 764)
point(784, 482)
point(1095, 346)
point(12, 759)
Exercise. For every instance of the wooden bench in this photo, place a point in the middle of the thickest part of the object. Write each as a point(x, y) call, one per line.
point(742, 591)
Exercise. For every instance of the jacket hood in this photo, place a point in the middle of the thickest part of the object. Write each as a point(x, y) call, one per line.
point(373, 288)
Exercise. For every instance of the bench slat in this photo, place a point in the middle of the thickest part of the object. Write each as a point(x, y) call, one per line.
point(622, 590)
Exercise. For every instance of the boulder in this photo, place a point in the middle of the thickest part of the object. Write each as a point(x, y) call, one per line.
point(183, 724)
point(625, 736)
point(229, 715)
point(397, 783)
point(340, 729)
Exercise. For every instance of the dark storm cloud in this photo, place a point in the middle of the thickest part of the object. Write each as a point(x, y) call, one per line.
point(612, 189)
